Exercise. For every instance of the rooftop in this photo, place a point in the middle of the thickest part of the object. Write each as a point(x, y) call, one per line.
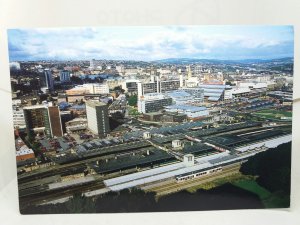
point(78, 106)
point(24, 150)
point(35, 107)
point(212, 86)
point(94, 104)
point(186, 108)
point(178, 94)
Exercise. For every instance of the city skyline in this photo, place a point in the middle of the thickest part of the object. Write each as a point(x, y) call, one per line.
point(151, 43)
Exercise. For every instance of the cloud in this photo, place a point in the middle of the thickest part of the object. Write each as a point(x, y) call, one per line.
point(142, 43)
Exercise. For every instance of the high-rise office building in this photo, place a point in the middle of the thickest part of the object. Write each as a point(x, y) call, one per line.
point(64, 76)
point(55, 121)
point(189, 75)
point(43, 119)
point(97, 116)
point(18, 118)
point(47, 84)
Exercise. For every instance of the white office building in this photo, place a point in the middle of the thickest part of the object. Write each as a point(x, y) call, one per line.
point(153, 102)
point(97, 118)
point(18, 118)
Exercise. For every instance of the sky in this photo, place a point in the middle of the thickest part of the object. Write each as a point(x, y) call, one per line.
point(151, 43)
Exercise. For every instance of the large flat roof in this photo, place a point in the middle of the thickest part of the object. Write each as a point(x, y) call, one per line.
point(35, 107)
point(186, 108)
point(178, 94)
point(130, 161)
point(213, 86)
point(94, 103)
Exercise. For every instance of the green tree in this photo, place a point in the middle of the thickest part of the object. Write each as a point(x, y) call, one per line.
point(273, 168)
point(132, 100)
point(80, 204)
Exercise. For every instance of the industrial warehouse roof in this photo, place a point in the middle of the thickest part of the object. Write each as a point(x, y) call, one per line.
point(178, 94)
point(227, 140)
point(179, 168)
point(213, 98)
point(213, 94)
point(131, 181)
point(165, 129)
point(152, 175)
point(212, 86)
point(78, 107)
point(196, 148)
point(143, 174)
point(130, 161)
point(213, 91)
point(240, 90)
point(271, 143)
point(186, 108)
point(221, 159)
point(179, 133)
point(94, 149)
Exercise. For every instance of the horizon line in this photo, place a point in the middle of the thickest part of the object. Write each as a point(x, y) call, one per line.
point(183, 58)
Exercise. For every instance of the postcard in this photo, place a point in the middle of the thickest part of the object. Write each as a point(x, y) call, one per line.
point(152, 118)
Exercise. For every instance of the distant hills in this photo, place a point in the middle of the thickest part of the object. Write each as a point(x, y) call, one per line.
point(220, 61)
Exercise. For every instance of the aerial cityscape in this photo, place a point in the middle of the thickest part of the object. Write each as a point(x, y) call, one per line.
point(146, 119)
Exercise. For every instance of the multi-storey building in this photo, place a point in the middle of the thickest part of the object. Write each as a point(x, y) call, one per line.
point(64, 76)
point(153, 102)
point(43, 119)
point(168, 85)
point(157, 86)
point(47, 84)
point(18, 118)
point(97, 117)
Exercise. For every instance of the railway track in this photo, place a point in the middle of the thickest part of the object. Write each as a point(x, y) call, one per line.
point(61, 169)
point(55, 194)
point(173, 186)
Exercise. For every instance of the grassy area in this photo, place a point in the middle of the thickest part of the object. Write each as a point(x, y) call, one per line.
point(270, 200)
point(252, 186)
point(248, 183)
point(272, 114)
point(218, 182)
